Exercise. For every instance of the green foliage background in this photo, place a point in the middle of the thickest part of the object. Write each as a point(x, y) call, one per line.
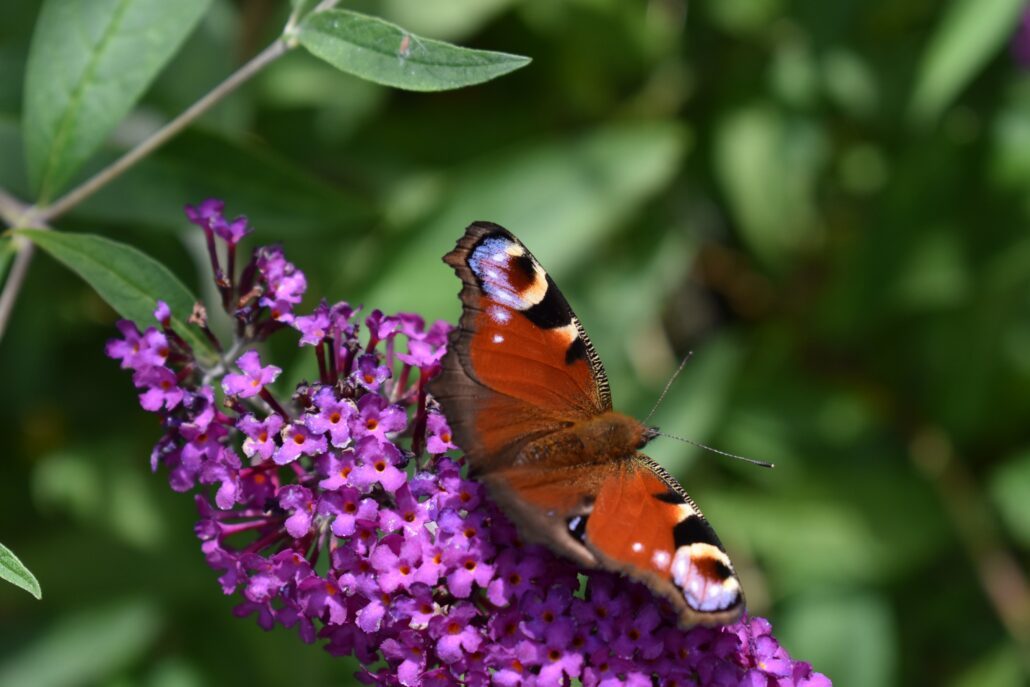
point(826, 201)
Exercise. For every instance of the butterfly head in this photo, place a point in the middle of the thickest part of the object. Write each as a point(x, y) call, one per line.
point(647, 435)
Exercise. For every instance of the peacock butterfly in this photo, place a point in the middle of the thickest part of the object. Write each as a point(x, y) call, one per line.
point(528, 401)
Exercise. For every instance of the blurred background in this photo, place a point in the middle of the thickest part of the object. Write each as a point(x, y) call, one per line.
point(826, 201)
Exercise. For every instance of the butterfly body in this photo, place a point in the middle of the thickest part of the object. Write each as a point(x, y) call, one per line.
point(594, 441)
point(528, 402)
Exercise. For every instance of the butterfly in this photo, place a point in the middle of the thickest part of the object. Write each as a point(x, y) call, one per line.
point(528, 402)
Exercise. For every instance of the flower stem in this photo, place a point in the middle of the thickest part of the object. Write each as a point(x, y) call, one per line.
point(160, 137)
point(19, 269)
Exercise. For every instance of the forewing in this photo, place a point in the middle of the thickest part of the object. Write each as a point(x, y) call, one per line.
point(519, 364)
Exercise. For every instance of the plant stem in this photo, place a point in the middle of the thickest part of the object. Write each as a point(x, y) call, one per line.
point(12, 210)
point(160, 137)
point(12, 286)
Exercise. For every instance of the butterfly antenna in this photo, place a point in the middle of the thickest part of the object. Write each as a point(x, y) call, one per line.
point(760, 463)
point(668, 384)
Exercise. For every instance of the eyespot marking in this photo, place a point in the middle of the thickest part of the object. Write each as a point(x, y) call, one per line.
point(706, 577)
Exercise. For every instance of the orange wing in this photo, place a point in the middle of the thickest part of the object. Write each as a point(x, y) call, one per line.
point(628, 516)
point(645, 525)
point(521, 364)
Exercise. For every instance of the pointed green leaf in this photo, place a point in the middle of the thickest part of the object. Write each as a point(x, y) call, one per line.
point(129, 280)
point(15, 572)
point(971, 32)
point(88, 64)
point(385, 53)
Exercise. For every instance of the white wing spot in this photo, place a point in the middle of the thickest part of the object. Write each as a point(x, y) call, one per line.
point(637, 547)
point(661, 560)
point(498, 338)
point(499, 315)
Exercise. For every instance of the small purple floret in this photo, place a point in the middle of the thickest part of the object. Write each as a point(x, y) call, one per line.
point(253, 379)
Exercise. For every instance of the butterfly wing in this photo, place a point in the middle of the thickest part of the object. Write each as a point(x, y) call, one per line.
point(632, 517)
point(645, 525)
point(521, 365)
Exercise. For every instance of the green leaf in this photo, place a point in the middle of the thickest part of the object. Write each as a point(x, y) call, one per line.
point(88, 65)
point(15, 572)
point(385, 53)
point(970, 33)
point(1010, 491)
point(129, 280)
point(84, 648)
point(852, 638)
point(768, 165)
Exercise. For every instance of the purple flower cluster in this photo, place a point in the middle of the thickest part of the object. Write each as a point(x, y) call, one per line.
point(334, 508)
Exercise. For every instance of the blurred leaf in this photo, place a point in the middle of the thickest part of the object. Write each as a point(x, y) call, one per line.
point(744, 16)
point(1000, 668)
point(562, 198)
point(968, 35)
point(15, 572)
point(768, 166)
point(444, 19)
point(851, 638)
point(800, 542)
point(84, 648)
point(174, 672)
point(89, 63)
point(130, 281)
point(794, 74)
point(936, 275)
point(95, 491)
point(69, 482)
point(1010, 490)
point(302, 7)
point(851, 84)
point(385, 53)
point(12, 155)
point(339, 103)
point(279, 198)
point(1010, 138)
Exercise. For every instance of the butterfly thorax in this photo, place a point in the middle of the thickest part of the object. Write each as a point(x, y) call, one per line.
point(599, 439)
